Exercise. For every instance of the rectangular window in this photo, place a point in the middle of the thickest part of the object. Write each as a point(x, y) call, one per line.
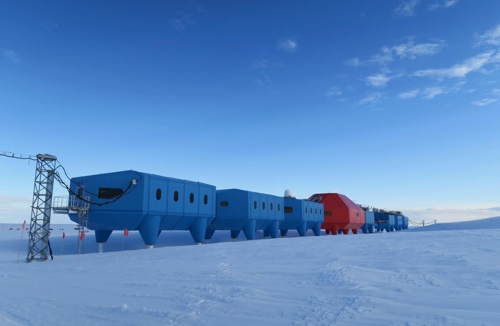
point(109, 193)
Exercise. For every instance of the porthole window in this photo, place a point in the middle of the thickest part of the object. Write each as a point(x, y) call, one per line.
point(317, 199)
point(328, 213)
point(176, 196)
point(255, 205)
point(271, 206)
point(224, 203)
point(191, 198)
point(263, 205)
point(205, 199)
point(288, 209)
point(315, 211)
point(279, 207)
point(305, 210)
point(158, 194)
point(310, 210)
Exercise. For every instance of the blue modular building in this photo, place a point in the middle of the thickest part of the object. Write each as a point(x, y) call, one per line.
point(384, 221)
point(398, 221)
point(369, 225)
point(395, 222)
point(240, 210)
point(405, 222)
point(302, 215)
point(145, 202)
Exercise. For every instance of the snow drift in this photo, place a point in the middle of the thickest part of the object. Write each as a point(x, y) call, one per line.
point(397, 278)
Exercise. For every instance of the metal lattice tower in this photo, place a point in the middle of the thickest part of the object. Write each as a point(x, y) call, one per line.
point(41, 207)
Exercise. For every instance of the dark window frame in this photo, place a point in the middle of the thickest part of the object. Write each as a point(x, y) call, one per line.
point(109, 193)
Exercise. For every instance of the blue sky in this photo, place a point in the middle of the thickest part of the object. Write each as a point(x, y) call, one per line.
point(395, 104)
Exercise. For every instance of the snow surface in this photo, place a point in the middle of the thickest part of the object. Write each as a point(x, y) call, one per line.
point(399, 278)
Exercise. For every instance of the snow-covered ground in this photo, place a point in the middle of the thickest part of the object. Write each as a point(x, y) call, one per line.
point(400, 278)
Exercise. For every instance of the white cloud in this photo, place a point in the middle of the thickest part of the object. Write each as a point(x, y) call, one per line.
point(379, 80)
point(333, 91)
point(445, 4)
point(371, 98)
point(450, 3)
point(383, 57)
point(412, 50)
point(496, 92)
point(287, 45)
point(259, 64)
point(355, 62)
point(461, 70)
point(263, 81)
point(491, 37)
point(409, 94)
point(408, 50)
point(11, 56)
point(485, 101)
point(431, 92)
point(406, 9)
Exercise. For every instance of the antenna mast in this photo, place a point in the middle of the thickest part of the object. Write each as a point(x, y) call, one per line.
point(40, 209)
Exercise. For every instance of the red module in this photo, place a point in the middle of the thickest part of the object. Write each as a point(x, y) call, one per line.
point(341, 213)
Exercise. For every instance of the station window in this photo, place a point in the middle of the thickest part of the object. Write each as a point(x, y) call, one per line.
point(271, 206)
point(176, 196)
point(315, 211)
point(191, 198)
point(255, 205)
point(328, 213)
point(317, 199)
point(205, 199)
point(109, 193)
point(158, 194)
point(263, 205)
point(310, 210)
point(279, 207)
point(357, 214)
point(305, 210)
point(288, 209)
point(224, 203)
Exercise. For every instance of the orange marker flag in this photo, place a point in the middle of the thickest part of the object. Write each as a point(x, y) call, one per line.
point(125, 232)
point(64, 235)
point(82, 235)
point(24, 224)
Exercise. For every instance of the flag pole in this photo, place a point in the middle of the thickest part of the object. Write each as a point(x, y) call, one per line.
point(62, 244)
point(125, 235)
point(21, 242)
point(81, 238)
